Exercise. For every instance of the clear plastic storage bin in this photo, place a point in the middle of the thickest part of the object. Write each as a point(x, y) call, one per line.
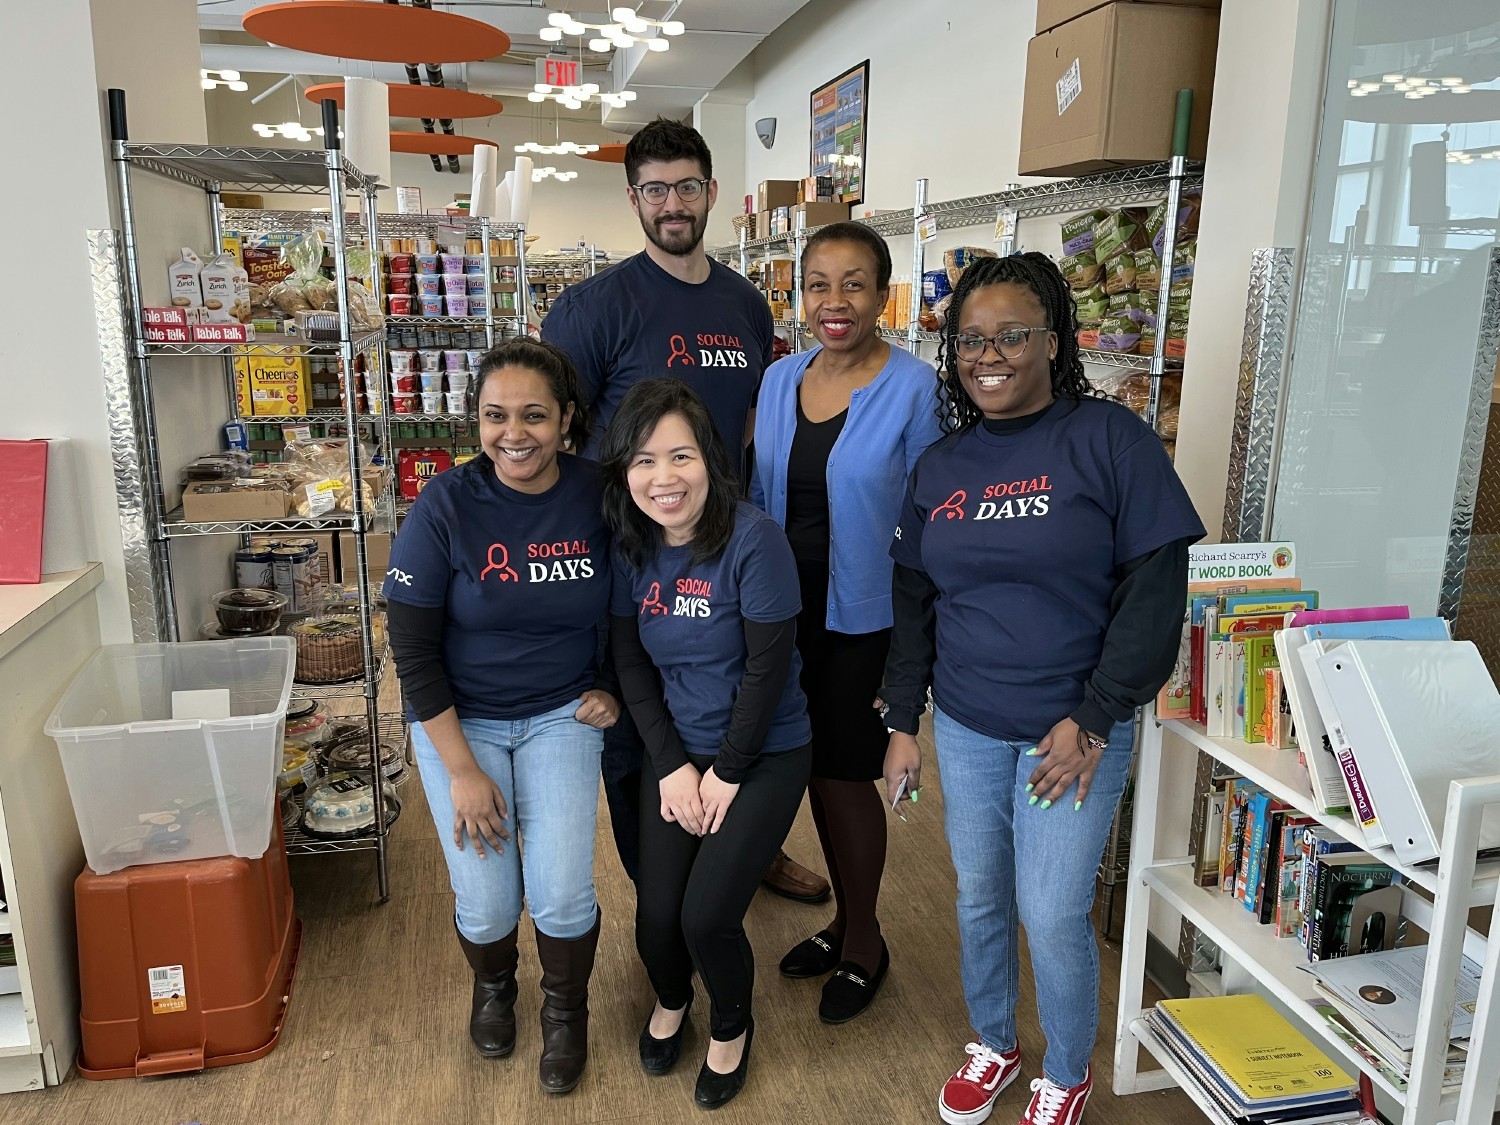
point(148, 788)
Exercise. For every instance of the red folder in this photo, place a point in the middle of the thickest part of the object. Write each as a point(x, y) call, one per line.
point(23, 499)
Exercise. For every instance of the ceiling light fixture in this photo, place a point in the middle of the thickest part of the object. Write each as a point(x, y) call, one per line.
point(230, 78)
point(629, 29)
point(292, 130)
point(549, 172)
point(563, 148)
point(574, 97)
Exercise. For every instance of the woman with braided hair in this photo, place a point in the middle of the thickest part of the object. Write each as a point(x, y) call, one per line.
point(1041, 567)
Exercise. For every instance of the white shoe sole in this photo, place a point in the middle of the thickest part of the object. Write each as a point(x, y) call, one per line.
point(954, 1117)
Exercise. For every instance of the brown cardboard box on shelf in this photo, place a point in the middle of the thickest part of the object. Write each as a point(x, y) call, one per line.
point(781, 221)
point(224, 502)
point(820, 214)
point(377, 557)
point(816, 189)
point(763, 224)
point(1101, 89)
point(772, 194)
point(780, 274)
point(1051, 13)
point(246, 200)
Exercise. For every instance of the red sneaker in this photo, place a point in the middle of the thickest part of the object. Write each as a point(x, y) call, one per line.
point(1052, 1104)
point(970, 1094)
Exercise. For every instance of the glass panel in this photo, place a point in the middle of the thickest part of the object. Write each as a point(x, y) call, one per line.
point(1406, 201)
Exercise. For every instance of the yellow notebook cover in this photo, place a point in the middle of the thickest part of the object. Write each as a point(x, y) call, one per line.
point(1255, 1048)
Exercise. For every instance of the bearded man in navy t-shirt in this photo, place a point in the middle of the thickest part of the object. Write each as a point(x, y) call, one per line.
point(669, 310)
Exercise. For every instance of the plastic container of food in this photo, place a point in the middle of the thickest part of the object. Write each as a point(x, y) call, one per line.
point(456, 306)
point(430, 306)
point(458, 402)
point(399, 304)
point(455, 359)
point(455, 284)
point(474, 263)
point(249, 611)
point(429, 285)
point(432, 380)
point(404, 359)
point(432, 359)
point(427, 263)
point(404, 403)
point(452, 263)
point(399, 283)
point(306, 721)
point(459, 381)
point(403, 382)
point(432, 402)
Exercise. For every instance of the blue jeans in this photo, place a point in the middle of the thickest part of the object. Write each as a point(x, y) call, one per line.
point(1018, 861)
point(548, 768)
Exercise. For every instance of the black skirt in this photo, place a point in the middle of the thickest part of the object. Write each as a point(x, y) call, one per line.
point(841, 676)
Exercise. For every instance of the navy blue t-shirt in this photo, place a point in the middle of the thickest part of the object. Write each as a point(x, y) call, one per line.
point(525, 581)
point(1022, 534)
point(692, 623)
point(635, 321)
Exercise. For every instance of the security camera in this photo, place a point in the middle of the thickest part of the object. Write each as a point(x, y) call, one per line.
point(765, 129)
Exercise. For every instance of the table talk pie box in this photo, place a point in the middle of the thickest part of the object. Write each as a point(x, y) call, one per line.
point(168, 325)
point(222, 333)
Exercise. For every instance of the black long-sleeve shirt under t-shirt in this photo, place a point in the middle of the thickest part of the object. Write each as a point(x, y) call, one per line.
point(1139, 644)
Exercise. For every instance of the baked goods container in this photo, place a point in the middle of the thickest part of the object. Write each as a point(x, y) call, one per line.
point(148, 788)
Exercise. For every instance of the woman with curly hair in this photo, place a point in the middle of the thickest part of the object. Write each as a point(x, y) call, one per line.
point(1041, 567)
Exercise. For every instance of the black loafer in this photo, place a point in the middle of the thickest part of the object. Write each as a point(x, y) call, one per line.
point(659, 1056)
point(815, 957)
point(850, 990)
point(715, 1089)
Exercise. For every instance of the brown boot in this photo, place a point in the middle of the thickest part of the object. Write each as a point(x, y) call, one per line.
point(790, 879)
point(492, 1016)
point(566, 967)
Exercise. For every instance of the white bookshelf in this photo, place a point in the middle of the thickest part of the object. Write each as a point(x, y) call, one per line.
point(1257, 960)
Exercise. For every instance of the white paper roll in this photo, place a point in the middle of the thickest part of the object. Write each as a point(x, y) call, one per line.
point(504, 192)
point(520, 200)
point(64, 540)
point(367, 127)
point(482, 193)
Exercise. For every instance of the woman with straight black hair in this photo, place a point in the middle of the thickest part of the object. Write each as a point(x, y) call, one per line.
point(498, 583)
point(703, 622)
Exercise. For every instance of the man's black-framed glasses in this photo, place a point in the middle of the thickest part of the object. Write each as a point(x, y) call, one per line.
point(1010, 344)
point(655, 191)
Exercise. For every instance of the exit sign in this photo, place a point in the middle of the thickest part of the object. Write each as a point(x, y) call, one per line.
point(559, 72)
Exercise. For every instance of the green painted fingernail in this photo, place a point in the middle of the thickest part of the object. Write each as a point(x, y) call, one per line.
point(1033, 799)
point(915, 793)
point(1029, 786)
point(1033, 751)
point(1077, 805)
point(1046, 804)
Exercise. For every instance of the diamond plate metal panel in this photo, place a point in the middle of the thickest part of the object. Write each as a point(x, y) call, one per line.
point(1478, 467)
point(1252, 452)
point(114, 356)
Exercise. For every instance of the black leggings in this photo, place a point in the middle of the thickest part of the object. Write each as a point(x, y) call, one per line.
point(693, 891)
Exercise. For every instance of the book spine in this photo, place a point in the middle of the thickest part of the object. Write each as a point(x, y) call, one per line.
point(1213, 829)
point(1259, 819)
point(1318, 874)
point(1227, 835)
point(1198, 670)
point(1242, 849)
point(1270, 879)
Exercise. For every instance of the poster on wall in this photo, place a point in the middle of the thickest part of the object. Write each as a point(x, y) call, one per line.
point(838, 132)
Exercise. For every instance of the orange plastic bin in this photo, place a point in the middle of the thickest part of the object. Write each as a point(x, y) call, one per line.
point(184, 966)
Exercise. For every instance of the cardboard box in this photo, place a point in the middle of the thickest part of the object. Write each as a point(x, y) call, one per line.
point(820, 214)
point(763, 224)
point(246, 200)
point(377, 557)
point(218, 502)
point(816, 189)
point(1101, 89)
point(267, 386)
point(223, 333)
point(776, 193)
point(781, 221)
point(171, 334)
point(1051, 13)
point(780, 273)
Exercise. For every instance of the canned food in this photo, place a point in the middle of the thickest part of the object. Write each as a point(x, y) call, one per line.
point(253, 569)
point(295, 577)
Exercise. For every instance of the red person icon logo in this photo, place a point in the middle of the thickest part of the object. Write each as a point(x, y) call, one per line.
point(953, 508)
point(652, 603)
point(502, 564)
point(680, 351)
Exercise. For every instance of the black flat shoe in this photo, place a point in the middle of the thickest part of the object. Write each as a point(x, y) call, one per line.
point(715, 1089)
point(659, 1056)
point(815, 957)
point(850, 990)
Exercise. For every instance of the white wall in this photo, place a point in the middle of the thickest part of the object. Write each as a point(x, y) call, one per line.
point(56, 191)
point(592, 207)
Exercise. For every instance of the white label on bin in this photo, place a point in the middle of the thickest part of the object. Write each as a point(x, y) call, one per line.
point(168, 992)
point(1069, 86)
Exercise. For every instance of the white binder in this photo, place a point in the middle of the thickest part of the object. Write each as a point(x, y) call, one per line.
point(1420, 714)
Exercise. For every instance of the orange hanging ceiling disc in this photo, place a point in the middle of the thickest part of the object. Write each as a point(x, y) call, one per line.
point(418, 101)
point(607, 154)
point(437, 144)
point(362, 29)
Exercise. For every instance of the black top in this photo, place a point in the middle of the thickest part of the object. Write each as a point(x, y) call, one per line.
point(807, 526)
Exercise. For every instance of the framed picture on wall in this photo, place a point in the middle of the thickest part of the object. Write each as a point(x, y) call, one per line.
point(838, 132)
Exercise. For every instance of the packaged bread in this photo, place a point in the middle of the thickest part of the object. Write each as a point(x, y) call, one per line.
point(1092, 303)
point(1177, 330)
point(1120, 232)
point(958, 259)
point(1184, 258)
point(1120, 274)
point(1128, 305)
point(1119, 334)
point(1188, 210)
point(1078, 232)
point(1147, 270)
point(305, 289)
point(1088, 337)
point(1134, 391)
point(1081, 269)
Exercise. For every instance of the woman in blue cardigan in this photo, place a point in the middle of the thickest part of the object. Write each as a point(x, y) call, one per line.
point(837, 432)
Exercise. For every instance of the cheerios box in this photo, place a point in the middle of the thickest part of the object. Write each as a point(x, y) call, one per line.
point(269, 386)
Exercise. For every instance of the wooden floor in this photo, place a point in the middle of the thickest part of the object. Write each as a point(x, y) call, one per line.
point(376, 1031)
